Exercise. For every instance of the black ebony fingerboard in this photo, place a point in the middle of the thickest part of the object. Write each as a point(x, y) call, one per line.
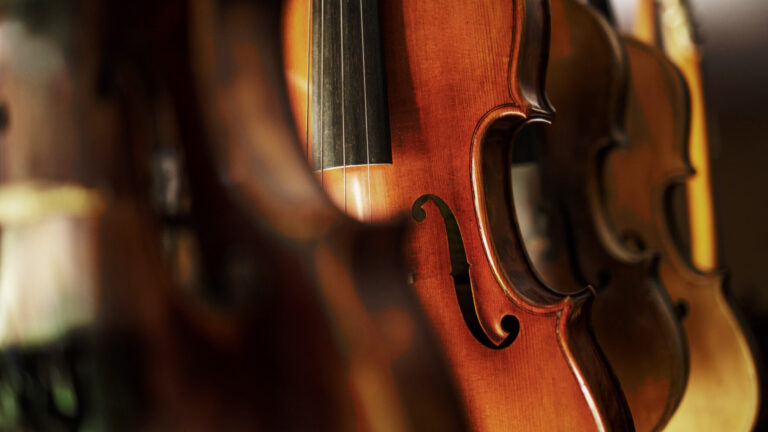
point(350, 121)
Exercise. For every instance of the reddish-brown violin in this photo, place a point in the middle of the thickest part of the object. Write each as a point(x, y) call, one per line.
point(412, 111)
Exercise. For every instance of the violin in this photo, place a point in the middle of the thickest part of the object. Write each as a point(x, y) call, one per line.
point(639, 183)
point(411, 107)
point(305, 321)
point(634, 320)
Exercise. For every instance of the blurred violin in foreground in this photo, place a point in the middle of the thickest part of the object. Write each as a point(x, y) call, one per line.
point(634, 321)
point(665, 126)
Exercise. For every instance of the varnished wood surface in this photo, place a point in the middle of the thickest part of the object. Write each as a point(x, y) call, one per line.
point(721, 393)
point(462, 78)
point(633, 318)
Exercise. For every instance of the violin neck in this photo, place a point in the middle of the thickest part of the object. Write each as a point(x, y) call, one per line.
point(348, 98)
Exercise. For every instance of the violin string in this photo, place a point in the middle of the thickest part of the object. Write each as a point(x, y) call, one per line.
point(365, 112)
point(343, 132)
point(309, 80)
point(322, 73)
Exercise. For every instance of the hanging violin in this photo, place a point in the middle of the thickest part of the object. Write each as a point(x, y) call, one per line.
point(634, 321)
point(721, 393)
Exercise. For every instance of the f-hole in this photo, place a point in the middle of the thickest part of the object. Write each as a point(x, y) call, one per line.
point(462, 283)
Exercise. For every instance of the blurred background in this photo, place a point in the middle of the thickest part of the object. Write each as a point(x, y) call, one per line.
point(734, 36)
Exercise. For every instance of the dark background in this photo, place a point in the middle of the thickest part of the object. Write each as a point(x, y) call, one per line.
point(734, 50)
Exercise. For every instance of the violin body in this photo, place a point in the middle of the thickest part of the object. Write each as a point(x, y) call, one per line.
point(301, 324)
point(634, 320)
point(144, 355)
point(461, 80)
point(639, 178)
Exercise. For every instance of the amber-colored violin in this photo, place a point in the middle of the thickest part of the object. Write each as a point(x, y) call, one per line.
point(676, 34)
point(634, 321)
point(721, 393)
point(461, 80)
point(305, 321)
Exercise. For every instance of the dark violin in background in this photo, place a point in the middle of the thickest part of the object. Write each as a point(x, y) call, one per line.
point(461, 81)
point(665, 126)
point(633, 318)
